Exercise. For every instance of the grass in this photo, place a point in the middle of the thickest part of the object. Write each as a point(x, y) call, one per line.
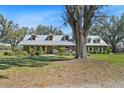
point(61, 71)
point(119, 58)
point(29, 61)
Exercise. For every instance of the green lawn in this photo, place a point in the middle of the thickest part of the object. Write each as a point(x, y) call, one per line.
point(49, 71)
point(30, 61)
point(34, 61)
point(119, 58)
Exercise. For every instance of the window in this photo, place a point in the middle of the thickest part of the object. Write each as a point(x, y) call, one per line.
point(50, 37)
point(96, 41)
point(33, 37)
point(65, 38)
point(89, 41)
point(91, 49)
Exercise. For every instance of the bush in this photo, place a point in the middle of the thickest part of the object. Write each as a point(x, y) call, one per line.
point(25, 53)
point(102, 52)
point(4, 66)
point(99, 52)
point(18, 52)
point(95, 52)
point(31, 51)
point(8, 53)
point(41, 51)
point(61, 50)
point(88, 54)
point(5, 53)
point(109, 50)
point(91, 52)
point(37, 53)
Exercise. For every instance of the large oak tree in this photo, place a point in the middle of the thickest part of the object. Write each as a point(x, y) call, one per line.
point(5, 26)
point(111, 29)
point(80, 19)
point(15, 36)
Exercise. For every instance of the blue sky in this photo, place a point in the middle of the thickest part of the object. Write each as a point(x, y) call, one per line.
point(31, 16)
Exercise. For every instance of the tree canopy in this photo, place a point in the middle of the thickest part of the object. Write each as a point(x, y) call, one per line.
point(111, 29)
point(80, 18)
point(45, 30)
point(5, 26)
point(15, 36)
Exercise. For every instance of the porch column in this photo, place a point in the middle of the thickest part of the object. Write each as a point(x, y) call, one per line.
point(29, 48)
point(35, 48)
point(92, 49)
point(98, 49)
point(102, 49)
point(45, 49)
point(40, 48)
point(88, 49)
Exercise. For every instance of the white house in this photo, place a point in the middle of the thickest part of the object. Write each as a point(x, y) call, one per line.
point(50, 42)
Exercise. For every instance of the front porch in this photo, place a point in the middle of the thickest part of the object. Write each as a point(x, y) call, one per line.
point(47, 49)
point(51, 49)
point(98, 49)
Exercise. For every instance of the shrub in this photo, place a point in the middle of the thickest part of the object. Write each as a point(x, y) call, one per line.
point(99, 52)
point(37, 53)
point(25, 53)
point(61, 50)
point(102, 52)
point(31, 51)
point(91, 52)
point(95, 52)
point(109, 50)
point(88, 54)
point(5, 53)
point(4, 66)
point(19, 52)
point(8, 53)
point(41, 51)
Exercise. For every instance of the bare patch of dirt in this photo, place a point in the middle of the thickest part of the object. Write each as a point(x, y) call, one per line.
point(72, 73)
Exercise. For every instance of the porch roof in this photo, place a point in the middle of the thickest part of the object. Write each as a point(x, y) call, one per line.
point(48, 43)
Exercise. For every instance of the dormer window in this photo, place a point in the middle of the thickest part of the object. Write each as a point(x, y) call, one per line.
point(65, 38)
point(33, 37)
point(89, 40)
point(50, 37)
point(96, 41)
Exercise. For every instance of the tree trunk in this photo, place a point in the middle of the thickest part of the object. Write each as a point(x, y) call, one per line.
point(77, 50)
point(113, 49)
point(83, 51)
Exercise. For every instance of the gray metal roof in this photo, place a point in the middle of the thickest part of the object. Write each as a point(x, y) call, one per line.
point(57, 41)
point(48, 43)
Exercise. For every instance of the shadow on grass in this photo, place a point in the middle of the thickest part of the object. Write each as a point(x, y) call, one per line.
point(29, 61)
point(3, 77)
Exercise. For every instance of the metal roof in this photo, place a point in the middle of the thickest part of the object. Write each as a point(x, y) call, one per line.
point(57, 41)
